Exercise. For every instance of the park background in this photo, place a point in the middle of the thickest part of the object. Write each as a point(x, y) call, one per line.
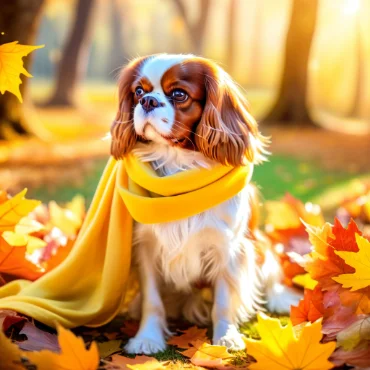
point(303, 64)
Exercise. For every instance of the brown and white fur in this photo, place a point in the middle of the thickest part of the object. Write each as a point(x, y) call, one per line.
point(179, 112)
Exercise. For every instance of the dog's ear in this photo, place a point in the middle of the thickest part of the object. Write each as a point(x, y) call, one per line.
point(227, 132)
point(122, 130)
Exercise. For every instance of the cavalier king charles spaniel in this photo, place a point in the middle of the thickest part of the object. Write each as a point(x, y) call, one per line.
point(179, 112)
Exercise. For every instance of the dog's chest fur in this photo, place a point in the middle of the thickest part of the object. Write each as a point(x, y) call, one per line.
point(198, 247)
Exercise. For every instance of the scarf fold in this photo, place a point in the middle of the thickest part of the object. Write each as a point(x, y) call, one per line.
point(89, 286)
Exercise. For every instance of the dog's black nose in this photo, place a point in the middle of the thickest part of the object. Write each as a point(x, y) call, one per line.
point(149, 103)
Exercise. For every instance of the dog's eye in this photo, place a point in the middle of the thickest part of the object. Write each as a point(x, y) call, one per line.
point(139, 91)
point(179, 95)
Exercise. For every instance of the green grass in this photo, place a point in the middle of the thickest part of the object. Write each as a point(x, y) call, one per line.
point(281, 175)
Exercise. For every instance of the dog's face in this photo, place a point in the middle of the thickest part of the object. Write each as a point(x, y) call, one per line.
point(188, 102)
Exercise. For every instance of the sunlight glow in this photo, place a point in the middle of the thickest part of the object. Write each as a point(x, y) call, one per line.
point(351, 7)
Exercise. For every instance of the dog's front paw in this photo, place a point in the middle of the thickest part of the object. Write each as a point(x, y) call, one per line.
point(147, 346)
point(232, 339)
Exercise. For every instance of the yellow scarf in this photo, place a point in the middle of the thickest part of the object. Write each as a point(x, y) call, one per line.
point(89, 287)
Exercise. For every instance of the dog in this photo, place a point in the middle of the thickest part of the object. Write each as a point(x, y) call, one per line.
point(179, 112)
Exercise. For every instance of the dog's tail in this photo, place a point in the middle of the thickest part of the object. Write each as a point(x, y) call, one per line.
point(278, 296)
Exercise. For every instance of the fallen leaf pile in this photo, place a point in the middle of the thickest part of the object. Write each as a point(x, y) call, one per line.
point(35, 238)
point(340, 263)
point(330, 326)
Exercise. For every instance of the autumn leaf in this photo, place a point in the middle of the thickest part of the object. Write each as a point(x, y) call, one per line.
point(344, 239)
point(305, 281)
point(10, 354)
point(190, 335)
point(13, 210)
point(69, 220)
point(281, 215)
point(13, 262)
point(323, 263)
point(358, 357)
point(11, 66)
point(73, 355)
point(108, 348)
point(153, 364)
point(19, 240)
point(209, 355)
point(280, 348)
point(37, 339)
point(121, 362)
point(9, 318)
point(130, 328)
point(58, 256)
point(358, 300)
point(336, 316)
point(310, 308)
point(360, 261)
point(350, 337)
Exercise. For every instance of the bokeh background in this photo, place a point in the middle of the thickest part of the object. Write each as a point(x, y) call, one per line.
point(303, 64)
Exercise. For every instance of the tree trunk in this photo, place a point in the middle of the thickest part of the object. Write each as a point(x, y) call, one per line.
point(196, 31)
point(231, 35)
point(117, 56)
point(291, 105)
point(73, 63)
point(19, 20)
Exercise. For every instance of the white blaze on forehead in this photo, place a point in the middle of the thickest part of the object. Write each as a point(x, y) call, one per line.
point(154, 68)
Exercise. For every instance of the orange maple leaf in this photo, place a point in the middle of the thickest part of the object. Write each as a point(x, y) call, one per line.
point(73, 355)
point(10, 354)
point(310, 308)
point(13, 262)
point(324, 263)
point(122, 362)
point(190, 335)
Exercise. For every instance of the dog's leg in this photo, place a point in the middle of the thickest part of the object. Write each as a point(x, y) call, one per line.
point(225, 330)
point(151, 335)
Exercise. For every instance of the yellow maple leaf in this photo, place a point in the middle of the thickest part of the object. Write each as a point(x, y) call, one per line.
point(11, 66)
point(281, 349)
point(20, 236)
point(10, 354)
point(19, 240)
point(14, 209)
point(360, 261)
point(281, 215)
point(73, 355)
point(305, 281)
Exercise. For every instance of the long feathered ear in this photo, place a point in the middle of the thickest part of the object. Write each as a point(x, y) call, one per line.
point(227, 132)
point(122, 130)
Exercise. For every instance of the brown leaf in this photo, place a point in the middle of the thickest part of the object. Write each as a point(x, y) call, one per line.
point(38, 339)
point(190, 335)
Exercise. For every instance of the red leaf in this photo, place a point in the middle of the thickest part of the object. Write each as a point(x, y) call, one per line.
point(130, 328)
point(345, 239)
point(310, 308)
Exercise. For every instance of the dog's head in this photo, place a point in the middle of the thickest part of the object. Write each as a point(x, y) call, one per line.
point(188, 102)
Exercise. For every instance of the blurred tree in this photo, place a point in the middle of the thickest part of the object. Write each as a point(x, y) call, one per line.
point(196, 30)
point(73, 63)
point(291, 105)
point(117, 55)
point(231, 36)
point(254, 75)
point(356, 108)
point(19, 20)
